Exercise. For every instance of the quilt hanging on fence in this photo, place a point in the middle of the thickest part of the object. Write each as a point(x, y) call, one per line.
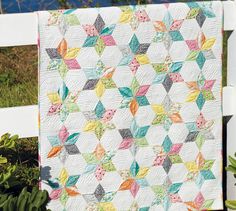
point(130, 107)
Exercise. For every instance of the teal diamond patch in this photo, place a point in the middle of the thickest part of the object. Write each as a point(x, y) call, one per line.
point(134, 168)
point(142, 100)
point(134, 44)
point(167, 144)
point(176, 36)
point(90, 41)
point(200, 60)
point(200, 101)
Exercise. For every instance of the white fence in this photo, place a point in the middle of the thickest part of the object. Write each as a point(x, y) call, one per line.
point(22, 29)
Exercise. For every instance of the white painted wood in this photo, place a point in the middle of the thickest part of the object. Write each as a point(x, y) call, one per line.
point(229, 15)
point(231, 126)
point(18, 29)
point(229, 101)
point(21, 120)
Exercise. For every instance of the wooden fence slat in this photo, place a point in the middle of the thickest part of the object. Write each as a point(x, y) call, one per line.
point(22, 120)
point(18, 29)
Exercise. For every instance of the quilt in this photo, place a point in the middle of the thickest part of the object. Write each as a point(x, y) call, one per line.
point(130, 107)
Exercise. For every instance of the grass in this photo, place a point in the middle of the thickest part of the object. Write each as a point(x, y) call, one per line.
point(18, 76)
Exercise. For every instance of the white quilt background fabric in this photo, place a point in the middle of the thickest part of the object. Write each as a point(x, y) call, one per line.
point(130, 107)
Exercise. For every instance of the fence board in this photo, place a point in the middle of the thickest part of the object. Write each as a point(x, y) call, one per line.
point(18, 29)
point(22, 120)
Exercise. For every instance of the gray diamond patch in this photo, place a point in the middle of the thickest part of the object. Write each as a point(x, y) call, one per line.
point(99, 192)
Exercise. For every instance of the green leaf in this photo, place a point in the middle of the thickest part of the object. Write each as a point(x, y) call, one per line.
point(232, 161)
point(231, 169)
point(6, 175)
point(4, 137)
point(7, 141)
point(3, 160)
point(231, 204)
point(9, 144)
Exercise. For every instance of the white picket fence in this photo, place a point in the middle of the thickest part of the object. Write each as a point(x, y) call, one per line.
point(22, 29)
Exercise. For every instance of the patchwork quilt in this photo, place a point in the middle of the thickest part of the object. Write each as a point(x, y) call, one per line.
point(130, 107)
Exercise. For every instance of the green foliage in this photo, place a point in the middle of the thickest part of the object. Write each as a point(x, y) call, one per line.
point(7, 141)
point(19, 165)
point(18, 170)
point(232, 166)
point(18, 76)
point(127, 2)
point(6, 169)
point(30, 201)
point(231, 204)
point(64, 4)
